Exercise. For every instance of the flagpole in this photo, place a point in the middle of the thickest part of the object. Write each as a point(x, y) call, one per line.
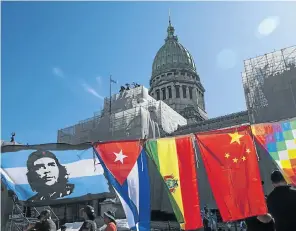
point(110, 96)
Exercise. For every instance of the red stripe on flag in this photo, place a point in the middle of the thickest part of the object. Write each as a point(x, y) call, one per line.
point(188, 183)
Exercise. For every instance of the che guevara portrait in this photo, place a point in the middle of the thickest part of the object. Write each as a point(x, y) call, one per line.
point(47, 177)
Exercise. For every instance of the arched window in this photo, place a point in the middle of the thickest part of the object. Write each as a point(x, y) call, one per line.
point(163, 94)
point(184, 91)
point(190, 92)
point(170, 92)
point(157, 95)
point(177, 91)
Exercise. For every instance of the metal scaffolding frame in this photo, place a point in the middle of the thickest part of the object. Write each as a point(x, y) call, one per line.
point(20, 217)
point(120, 120)
point(260, 68)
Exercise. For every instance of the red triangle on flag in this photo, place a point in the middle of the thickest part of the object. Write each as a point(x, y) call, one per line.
point(119, 157)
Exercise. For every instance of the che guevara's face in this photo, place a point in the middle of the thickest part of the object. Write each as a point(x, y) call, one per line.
point(47, 170)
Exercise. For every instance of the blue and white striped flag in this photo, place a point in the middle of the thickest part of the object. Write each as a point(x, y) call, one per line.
point(47, 174)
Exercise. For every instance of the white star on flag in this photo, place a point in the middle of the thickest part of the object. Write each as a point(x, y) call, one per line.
point(119, 156)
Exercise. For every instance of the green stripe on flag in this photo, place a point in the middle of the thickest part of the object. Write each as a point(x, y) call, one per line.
point(152, 151)
point(151, 148)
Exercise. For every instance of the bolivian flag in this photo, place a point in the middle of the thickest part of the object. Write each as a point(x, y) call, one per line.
point(175, 160)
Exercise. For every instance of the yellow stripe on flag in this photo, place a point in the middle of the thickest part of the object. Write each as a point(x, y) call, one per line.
point(169, 166)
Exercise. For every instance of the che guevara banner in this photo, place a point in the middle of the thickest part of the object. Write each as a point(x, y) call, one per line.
point(175, 160)
point(231, 164)
point(53, 173)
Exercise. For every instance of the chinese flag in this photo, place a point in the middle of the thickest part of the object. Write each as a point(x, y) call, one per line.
point(231, 163)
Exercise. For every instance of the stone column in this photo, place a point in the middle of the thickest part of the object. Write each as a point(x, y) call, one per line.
point(195, 96)
point(203, 102)
point(199, 98)
point(173, 91)
point(181, 91)
point(187, 92)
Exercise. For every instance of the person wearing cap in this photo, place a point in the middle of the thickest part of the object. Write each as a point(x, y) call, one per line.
point(89, 216)
point(109, 219)
point(281, 203)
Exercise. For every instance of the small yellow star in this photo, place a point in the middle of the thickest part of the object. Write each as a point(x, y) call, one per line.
point(248, 151)
point(235, 137)
point(235, 160)
point(227, 155)
point(244, 158)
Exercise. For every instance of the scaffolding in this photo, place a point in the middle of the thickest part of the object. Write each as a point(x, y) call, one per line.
point(262, 76)
point(22, 216)
point(131, 118)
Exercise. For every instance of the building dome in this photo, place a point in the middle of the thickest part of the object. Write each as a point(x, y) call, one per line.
point(172, 55)
point(175, 81)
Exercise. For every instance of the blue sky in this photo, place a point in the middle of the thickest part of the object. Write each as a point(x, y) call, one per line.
point(57, 56)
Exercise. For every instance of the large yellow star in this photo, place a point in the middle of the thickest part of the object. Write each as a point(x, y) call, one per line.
point(235, 137)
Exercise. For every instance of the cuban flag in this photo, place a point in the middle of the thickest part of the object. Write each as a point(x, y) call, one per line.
point(125, 164)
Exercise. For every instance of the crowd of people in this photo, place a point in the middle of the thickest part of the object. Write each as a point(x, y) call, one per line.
point(281, 216)
point(281, 204)
point(128, 86)
point(45, 223)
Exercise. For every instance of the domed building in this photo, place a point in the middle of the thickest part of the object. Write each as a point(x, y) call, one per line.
point(175, 81)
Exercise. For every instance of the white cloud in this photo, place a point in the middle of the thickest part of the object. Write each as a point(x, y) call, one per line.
point(92, 91)
point(268, 25)
point(226, 59)
point(58, 72)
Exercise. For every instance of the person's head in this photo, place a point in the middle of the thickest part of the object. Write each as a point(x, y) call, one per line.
point(63, 228)
point(109, 216)
point(88, 213)
point(277, 178)
point(44, 215)
point(45, 171)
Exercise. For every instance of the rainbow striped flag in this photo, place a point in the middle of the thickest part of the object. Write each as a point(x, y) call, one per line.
point(175, 160)
point(279, 139)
